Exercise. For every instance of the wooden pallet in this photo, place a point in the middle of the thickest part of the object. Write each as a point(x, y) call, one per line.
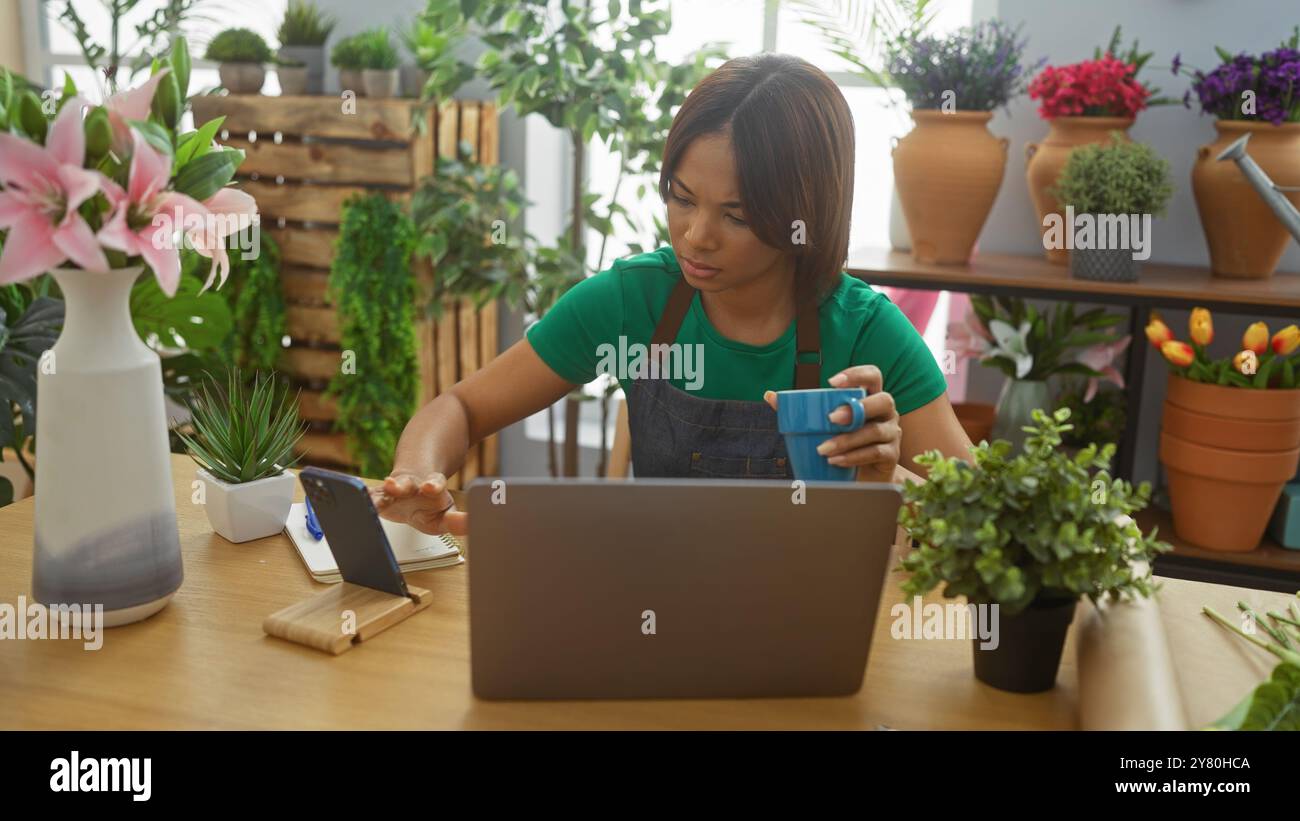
point(303, 158)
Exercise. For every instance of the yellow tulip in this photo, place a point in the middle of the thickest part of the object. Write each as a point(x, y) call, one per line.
point(1246, 363)
point(1179, 353)
point(1256, 338)
point(1286, 340)
point(1201, 327)
point(1158, 332)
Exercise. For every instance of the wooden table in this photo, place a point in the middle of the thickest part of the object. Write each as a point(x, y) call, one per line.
point(203, 662)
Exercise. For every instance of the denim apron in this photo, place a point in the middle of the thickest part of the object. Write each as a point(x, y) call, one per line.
point(676, 434)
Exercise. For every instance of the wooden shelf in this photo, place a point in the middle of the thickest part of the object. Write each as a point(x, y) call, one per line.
point(1269, 558)
point(1174, 286)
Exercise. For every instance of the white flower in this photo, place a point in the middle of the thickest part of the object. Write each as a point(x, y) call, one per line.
point(1013, 344)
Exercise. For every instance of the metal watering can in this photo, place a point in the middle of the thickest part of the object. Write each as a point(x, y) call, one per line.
point(1272, 194)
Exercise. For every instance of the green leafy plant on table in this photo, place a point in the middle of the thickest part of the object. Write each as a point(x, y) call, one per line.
point(1013, 529)
point(1118, 177)
point(243, 433)
point(1275, 703)
point(373, 288)
point(244, 441)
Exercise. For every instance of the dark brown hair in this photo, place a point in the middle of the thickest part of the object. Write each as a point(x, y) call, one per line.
point(792, 135)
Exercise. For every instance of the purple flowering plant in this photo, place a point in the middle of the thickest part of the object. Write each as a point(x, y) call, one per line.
point(981, 65)
point(1273, 77)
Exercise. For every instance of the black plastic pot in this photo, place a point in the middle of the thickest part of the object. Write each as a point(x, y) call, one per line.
point(1029, 647)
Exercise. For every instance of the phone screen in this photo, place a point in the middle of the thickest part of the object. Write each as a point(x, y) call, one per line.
point(351, 526)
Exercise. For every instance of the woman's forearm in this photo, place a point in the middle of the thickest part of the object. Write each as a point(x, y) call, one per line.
point(436, 440)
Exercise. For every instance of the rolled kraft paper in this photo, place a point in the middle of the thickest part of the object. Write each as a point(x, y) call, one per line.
point(1126, 672)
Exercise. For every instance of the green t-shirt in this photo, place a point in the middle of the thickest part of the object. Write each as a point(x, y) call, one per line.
point(859, 326)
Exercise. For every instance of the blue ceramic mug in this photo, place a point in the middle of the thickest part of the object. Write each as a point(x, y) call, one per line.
point(802, 418)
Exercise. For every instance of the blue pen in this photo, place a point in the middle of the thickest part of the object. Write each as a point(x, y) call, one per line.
point(313, 526)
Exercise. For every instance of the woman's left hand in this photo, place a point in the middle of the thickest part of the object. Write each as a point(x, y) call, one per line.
point(873, 448)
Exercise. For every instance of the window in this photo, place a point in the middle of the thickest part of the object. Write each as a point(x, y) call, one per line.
point(52, 50)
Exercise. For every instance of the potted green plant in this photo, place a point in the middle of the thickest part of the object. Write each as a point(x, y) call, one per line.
point(243, 443)
point(1230, 430)
point(1032, 346)
point(294, 75)
point(303, 32)
point(1028, 533)
point(1096, 418)
point(1113, 189)
point(346, 56)
point(420, 36)
point(380, 60)
point(242, 55)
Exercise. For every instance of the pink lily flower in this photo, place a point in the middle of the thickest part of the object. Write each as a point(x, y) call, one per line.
point(132, 104)
point(231, 211)
point(146, 218)
point(43, 188)
point(1099, 358)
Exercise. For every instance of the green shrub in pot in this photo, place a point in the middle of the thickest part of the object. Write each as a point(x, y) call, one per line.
point(380, 60)
point(242, 54)
point(1119, 179)
point(1030, 532)
point(347, 56)
point(303, 32)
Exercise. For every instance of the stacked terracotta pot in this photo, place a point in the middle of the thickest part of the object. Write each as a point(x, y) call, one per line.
point(1227, 452)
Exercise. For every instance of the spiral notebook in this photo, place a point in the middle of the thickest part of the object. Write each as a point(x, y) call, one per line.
point(413, 549)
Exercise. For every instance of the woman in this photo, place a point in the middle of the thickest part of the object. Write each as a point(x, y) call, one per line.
point(758, 181)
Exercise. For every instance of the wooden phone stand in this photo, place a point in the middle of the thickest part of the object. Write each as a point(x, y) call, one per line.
point(343, 615)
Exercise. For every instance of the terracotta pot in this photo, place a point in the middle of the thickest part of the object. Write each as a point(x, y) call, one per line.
point(1222, 499)
point(976, 419)
point(948, 170)
point(1245, 238)
point(1230, 433)
point(1217, 400)
point(1044, 161)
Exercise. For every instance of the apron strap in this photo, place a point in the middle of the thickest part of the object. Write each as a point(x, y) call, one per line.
point(807, 375)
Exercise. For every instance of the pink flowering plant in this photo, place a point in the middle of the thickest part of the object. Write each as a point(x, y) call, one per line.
point(115, 185)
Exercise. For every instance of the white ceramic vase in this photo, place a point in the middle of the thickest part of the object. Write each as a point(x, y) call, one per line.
point(105, 519)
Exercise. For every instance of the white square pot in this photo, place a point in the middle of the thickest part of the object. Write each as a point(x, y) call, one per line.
point(250, 510)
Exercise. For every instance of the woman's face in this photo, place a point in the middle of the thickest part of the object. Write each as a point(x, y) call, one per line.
point(714, 245)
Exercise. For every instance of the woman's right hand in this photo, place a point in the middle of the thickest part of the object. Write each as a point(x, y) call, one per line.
point(421, 501)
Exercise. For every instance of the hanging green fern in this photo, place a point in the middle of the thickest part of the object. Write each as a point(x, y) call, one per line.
point(374, 290)
point(258, 305)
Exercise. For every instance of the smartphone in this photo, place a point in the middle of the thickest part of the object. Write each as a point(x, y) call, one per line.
point(351, 526)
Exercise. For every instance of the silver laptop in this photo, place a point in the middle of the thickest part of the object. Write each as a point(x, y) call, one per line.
point(667, 588)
